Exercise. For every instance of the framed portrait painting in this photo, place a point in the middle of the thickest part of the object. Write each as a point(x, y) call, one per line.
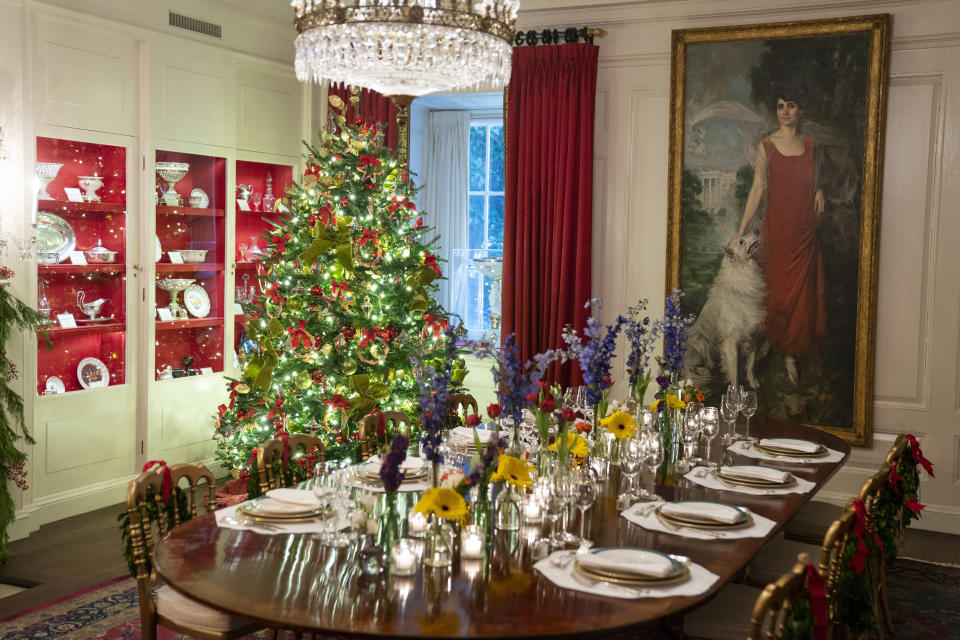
point(776, 137)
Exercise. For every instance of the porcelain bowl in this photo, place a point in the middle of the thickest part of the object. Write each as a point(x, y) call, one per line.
point(193, 255)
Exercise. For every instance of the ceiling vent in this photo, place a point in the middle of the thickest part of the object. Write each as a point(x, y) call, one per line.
point(192, 24)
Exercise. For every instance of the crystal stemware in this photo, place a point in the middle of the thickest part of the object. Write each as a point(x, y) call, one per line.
point(652, 448)
point(690, 434)
point(748, 408)
point(586, 496)
point(709, 426)
point(630, 459)
point(729, 410)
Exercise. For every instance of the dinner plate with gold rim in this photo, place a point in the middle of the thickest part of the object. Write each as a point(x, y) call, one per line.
point(750, 482)
point(408, 476)
point(689, 520)
point(623, 555)
point(253, 509)
point(633, 579)
point(777, 451)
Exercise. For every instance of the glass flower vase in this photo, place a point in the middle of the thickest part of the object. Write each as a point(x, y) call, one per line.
point(508, 512)
point(437, 544)
point(388, 530)
point(482, 516)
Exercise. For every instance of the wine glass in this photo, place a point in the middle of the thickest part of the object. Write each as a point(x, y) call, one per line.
point(729, 410)
point(690, 434)
point(648, 419)
point(556, 506)
point(748, 408)
point(629, 463)
point(709, 425)
point(652, 450)
point(586, 496)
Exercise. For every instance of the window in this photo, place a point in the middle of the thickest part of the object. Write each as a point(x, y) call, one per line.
point(478, 289)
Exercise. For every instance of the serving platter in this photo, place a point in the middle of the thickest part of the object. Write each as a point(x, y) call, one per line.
point(55, 236)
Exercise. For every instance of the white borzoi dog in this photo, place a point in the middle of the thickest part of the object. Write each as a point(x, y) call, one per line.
point(731, 322)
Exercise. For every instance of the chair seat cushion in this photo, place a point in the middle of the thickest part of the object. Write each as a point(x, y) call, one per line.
point(726, 616)
point(187, 612)
point(777, 557)
point(811, 521)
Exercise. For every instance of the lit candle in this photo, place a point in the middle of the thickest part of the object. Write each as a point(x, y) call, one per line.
point(531, 510)
point(416, 525)
point(471, 543)
point(404, 559)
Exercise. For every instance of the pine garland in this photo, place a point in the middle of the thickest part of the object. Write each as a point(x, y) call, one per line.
point(798, 622)
point(854, 592)
point(178, 505)
point(14, 316)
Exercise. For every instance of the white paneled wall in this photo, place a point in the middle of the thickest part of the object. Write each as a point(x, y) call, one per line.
point(917, 386)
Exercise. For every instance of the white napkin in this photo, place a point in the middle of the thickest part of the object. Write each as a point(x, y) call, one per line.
point(410, 463)
point(703, 510)
point(648, 565)
point(300, 497)
point(561, 574)
point(744, 448)
point(643, 514)
point(704, 477)
point(756, 473)
point(271, 506)
point(791, 444)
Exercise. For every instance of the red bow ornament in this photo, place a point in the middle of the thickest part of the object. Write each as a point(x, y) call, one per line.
point(434, 324)
point(918, 455)
point(299, 336)
point(430, 260)
point(368, 160)
point(167, 477)
point(369, 236)
point(339, 289)
point(369, 335)
point(276, 408)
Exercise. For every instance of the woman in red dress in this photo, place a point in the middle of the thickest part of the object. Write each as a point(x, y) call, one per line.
point(793, 266)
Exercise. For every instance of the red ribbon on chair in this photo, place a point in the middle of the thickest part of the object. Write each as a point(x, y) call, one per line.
point(381, 424)
point(253, 458)
point(860, 529)
point(283, 435)
point(167, 476)
point(909, 502)
point(918, 455)
point(818, 602)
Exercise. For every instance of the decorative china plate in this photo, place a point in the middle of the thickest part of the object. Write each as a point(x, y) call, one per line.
point(199, 198)
point(196, 300)
point(158, 250)
point(55, 385)
point(54, 236)
point(92, 373)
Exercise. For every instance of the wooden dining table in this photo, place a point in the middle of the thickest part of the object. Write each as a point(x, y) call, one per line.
point(296, 582)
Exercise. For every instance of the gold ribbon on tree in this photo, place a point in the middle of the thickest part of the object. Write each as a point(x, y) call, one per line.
point(324, 239)
point(418, 280)
point(261, 366)
point(367, 394)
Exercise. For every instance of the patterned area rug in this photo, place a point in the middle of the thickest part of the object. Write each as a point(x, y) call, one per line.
point(923, 599)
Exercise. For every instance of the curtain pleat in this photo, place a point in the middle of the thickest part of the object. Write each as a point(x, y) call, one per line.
point(549, 192)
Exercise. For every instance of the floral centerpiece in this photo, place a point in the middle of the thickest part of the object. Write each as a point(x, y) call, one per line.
point(595, 357)
point(514, 473)
point(675, 329)
point(621, 424)
point(642, 336)
point(392, 478)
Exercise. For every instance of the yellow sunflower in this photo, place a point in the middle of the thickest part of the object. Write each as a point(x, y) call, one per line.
point(575, 445)
point(513, 470)
point(620, 424)
point(445, 503)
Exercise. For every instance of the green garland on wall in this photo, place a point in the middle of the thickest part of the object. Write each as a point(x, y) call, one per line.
point(14, 316)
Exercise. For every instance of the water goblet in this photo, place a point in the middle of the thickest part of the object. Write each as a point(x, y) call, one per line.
point(629, 464)
point(689, 435)
point(648, 419)
point(556, 506)
point(729, 410)
point(709, 425)
point(652, 450)
point(749, 408)
point(586, 496)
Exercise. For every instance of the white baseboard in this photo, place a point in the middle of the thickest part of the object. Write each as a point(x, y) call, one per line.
point(936, 517)
point(65, 504)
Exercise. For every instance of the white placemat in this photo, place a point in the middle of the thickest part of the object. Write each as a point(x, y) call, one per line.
point(558, 568)
point(745, 448)
point(705, 478)
point(644, 515)
point(231, 518)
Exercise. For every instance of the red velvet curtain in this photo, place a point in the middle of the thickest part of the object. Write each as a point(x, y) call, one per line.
point(549, 191)
point(373, 107)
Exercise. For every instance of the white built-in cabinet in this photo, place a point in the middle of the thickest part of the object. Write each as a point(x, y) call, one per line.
point(110, 84)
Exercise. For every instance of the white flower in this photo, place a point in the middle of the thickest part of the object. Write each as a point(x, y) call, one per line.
point(450, 479)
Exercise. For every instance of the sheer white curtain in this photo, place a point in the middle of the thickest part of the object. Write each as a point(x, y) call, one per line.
point(445, 173)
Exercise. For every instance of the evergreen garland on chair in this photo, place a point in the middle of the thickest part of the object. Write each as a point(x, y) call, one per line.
point(14, 316)
point(178, 505)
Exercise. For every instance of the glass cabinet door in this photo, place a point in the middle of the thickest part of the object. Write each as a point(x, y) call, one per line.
point(189, 254)
point(259, 189)
point(81, 264)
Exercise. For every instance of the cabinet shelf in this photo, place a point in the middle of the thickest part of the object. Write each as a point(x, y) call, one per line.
point(55, 332)
point(166, 267)
point(53, 269)
point(192, 323)
point(188, 211)
point(81, 207)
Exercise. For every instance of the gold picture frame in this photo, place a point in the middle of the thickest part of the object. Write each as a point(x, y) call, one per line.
point(722, 110)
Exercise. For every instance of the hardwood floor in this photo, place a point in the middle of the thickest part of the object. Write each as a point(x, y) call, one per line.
point(67, 556)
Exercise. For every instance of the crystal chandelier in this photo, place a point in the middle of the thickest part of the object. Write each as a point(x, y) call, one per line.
point(405, 47)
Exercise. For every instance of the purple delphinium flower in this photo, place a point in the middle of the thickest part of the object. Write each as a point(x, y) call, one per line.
point(675, 328)
point(435, 399)
point(642, 337)
point(390, 465)
point(597, 354)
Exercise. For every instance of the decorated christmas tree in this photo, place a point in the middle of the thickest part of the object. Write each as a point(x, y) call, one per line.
point(346, 282)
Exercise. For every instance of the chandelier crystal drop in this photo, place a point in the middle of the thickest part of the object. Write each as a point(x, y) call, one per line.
point(405, 47)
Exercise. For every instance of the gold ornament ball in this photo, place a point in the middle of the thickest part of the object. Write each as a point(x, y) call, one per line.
point(303, 380)
point(326, 349)
point(349, 366)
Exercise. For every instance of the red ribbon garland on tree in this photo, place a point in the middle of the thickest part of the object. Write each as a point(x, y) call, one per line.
point(299, 336)
point(369, 335)
point(337, 402)
point(918, 455)
point(370, 236)
point(860, 529)
point(437, 325)
point(276, 407)
point(339, 288)
point(818, 602)
point(167, 477)
point(368, 159)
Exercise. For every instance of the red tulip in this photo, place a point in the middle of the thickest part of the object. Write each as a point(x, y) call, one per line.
point(493, 411)
point(473, 420)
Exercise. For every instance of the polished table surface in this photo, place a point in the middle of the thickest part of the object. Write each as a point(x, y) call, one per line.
point(294, 582)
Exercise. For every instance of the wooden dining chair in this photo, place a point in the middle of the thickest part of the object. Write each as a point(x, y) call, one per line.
point(397, 422)
point(462, 405)
point(151, 519)
point(726, 615)
point(271, 451)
